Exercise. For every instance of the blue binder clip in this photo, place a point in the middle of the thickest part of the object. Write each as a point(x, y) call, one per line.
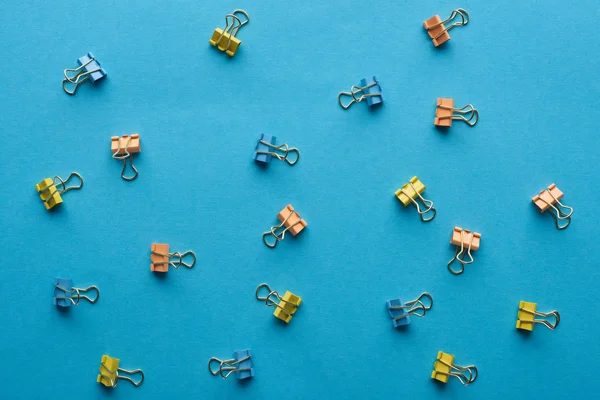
point(88, 68)
point(266, 148)
point(400, 312)
point(369, 90)
point(241, 363)
point(66, 295)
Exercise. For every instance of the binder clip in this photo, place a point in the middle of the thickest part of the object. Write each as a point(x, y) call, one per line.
point(122, 148)
point(161, 258)
point(412, 190)
point(527, 313)
point(224, 39)
point(49, 189)
point(445, 113)
point(109, 373)
point(290, 220)
point(400, 311)
point(89, 68)
point(241, 364)
point(368, 90)
point(265, 149)
point(551, 199)
point(66, 295)
point(444, 367)
point(285, 306)
point(462, 239)
point(436, 29)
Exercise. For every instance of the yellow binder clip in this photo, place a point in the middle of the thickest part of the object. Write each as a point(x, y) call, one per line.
point(109, 373)
point(224, 39)
point(285, 306)
point(410, 192)
point(49, 189)
point(527, 313)
point(444, 367)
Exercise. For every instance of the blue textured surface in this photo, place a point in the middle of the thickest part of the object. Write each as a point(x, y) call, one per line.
point(531, 69)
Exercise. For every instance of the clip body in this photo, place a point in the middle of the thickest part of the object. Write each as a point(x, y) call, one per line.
point(527, 313)
point(122, 148)
point(400, 311)
point(266, 149)
point(89, 68)
point(224, 39)
point(285, 306)
point(109, 373)
point(436, 29)
point(161, 258)
point(445, 113)
point(444, 367)
point(369, 90)
point(410, 192)
point(463, 240)
point(550, 199)
point(66, 295)
point(290, 221)
point(49, 192)
point(241, 364)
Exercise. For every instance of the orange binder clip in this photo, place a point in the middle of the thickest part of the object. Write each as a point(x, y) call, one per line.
point(122, 148)
point(445, 113)
point(463, 239)
point(551, 199)
point(161, 258)
point(436, 29)
point(290, 221)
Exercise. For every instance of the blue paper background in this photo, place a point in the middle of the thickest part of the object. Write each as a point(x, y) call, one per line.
point(531, 69)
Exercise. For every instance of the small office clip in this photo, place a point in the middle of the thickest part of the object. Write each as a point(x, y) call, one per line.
point(122, 148)
point(412, 190)
point(241, 364)
point(551, 199)
point(400, 312)
point(109, 373)
point(290, 220)
point(161, 258)
point(444, 367)
point(49, 192)
point(368, 90)
point(527, 313)
point(89, 68)
point(436, 29)
point(445, 113)
point(463, 239)
point(263, 152)
point(285, 306)
point(66, 295)
point(224, 39)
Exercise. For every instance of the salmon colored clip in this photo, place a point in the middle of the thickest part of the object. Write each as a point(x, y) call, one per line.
point(160, 258)
point(436, 29)
point(462, 239)
point(122, 148)
point(551, 199)
point(445, 113)
point(292, 222)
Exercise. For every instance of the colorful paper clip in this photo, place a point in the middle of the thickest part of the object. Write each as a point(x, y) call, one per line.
point(463, 240)
point(285, 306)
point(445, 113)
point(444, 367)
point(436, 29)
point(241, 364)
point(122, 148)
point(290, 220)
point(66, 295)
point(265, 149)
point(109, 373)
point(49, 192)
point(161, 258)
point(551, 199)
point(368, 90)
point(89, 68)
point(409, 192)
point(224, 39)
point(527, 313)
point(400, 311)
